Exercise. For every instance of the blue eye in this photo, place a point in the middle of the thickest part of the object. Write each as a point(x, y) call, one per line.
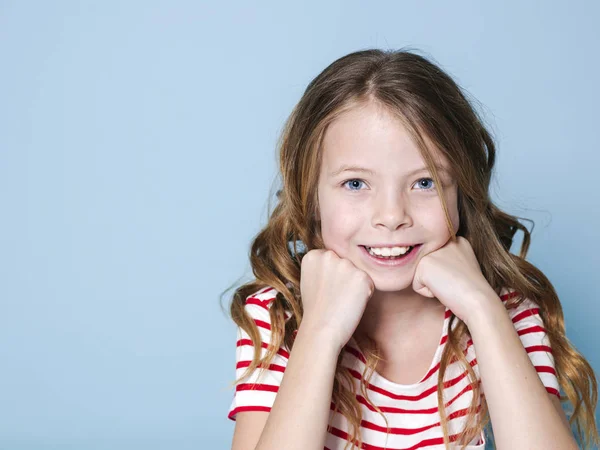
point(354, 179)
point(425, 179)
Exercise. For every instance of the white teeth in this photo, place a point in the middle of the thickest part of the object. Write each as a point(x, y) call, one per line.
point(386, 251)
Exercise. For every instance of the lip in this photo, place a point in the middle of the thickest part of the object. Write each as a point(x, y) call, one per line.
point(392, 262)
point(390, 245)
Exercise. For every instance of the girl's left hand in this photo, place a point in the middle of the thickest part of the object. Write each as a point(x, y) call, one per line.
point(452, 275)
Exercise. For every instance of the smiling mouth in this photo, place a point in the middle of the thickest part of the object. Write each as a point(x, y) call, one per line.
point(390, 256)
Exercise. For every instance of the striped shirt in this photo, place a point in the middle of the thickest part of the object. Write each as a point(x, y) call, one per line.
point(411, 410)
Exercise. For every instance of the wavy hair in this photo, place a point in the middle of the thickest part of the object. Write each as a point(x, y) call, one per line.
point(429, 103)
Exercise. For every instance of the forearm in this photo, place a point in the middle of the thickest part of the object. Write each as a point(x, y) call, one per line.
point(521, 412)
point(300, 412)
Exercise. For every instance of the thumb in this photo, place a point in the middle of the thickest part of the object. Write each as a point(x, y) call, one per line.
point(420, 288)
point(425, 292)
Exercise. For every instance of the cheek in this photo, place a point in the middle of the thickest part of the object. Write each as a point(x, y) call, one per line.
point(338, 224)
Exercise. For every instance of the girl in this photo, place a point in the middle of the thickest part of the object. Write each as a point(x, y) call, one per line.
point(402, 321)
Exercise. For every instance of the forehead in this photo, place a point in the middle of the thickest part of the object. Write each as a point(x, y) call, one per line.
point(372, 137)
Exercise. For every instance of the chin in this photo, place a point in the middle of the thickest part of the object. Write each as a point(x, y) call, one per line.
point(392, 284)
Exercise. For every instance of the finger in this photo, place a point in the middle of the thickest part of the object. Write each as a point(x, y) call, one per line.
point(425, 292)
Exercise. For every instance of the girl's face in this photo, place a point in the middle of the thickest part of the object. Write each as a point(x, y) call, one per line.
point(387, 197)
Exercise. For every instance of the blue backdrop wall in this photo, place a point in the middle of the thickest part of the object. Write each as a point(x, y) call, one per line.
point(137, 158)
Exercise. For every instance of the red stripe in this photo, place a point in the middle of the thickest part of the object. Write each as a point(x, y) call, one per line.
point(545, 369)
point(395, 410)
point(256, 387)
point(533, 329)
point(274, 367)
point(538, 348)
point(527, 313)
point(246, 409)
point(411, 431)
point(262, 324)
point(249, 342)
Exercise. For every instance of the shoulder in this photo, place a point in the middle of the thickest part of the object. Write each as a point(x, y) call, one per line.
point(259, 303)
point(525, 307)
point(262, 298)
point(525, 316)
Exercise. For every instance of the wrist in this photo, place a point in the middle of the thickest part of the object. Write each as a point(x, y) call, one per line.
point(319, 337)
point(485, 310)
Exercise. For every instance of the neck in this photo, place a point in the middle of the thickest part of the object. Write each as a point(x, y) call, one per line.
point(390, 315)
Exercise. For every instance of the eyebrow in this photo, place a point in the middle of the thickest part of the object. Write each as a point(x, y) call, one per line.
point(350, 168)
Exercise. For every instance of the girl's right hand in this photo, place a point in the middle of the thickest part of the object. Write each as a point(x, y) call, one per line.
point(334, 294)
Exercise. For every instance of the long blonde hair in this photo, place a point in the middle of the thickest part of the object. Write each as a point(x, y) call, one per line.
point(431, 104)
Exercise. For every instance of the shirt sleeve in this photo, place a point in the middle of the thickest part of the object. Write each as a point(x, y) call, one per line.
point(258, 391)
point(532, 332)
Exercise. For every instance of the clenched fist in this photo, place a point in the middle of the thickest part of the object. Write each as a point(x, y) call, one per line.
point(334, 294)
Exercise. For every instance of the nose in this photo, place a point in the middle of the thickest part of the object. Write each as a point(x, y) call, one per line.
point(391, 210)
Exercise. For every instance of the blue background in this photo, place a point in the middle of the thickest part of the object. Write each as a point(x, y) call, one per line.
point(137, 160)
